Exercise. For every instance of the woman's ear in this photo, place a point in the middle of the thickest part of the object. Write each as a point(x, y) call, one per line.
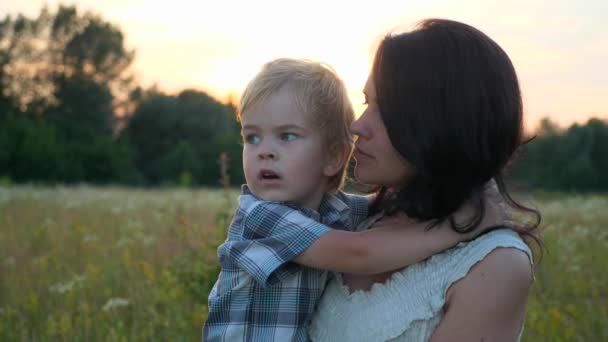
point(335, 159)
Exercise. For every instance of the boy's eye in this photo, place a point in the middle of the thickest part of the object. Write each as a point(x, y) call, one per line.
point(252, 139)
point(288, 136)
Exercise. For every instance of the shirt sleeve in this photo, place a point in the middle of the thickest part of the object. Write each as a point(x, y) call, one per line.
point(273, 235)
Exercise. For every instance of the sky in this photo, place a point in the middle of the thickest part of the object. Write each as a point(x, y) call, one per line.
point(559, 48)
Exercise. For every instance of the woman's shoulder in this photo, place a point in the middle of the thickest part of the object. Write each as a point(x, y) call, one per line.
point(498, 257)
point(485, 244)
point(511, 265)
point(505, 275)
point(498, 248)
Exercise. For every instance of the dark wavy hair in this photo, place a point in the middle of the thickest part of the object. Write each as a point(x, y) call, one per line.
point(451, 103)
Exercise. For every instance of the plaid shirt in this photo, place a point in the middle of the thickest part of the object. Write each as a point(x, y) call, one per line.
point(260, 295)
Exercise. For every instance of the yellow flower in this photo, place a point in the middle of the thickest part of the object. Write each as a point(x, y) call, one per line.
point(148, 270)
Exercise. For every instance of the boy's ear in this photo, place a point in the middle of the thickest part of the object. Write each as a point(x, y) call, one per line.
point(335, 159)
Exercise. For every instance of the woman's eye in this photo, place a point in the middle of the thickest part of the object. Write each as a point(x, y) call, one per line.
point(288, 136)
point(252, 139)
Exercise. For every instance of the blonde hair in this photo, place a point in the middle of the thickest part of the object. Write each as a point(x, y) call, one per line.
point(318, 92)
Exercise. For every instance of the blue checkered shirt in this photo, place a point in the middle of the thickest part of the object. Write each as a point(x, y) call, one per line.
point(260, 295)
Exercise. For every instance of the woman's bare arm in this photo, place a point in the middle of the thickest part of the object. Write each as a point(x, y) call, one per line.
point(488, 304)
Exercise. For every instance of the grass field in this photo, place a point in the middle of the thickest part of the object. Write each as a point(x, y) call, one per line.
point(116, 264)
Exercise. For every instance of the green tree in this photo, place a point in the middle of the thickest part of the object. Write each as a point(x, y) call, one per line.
point(167, 130)
point(93, 70)
point(572, 159)
point(31, 150)
point(598, 151)
point(71, 66)
point(62, 78)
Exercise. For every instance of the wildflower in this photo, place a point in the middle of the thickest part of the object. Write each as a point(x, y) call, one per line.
point(90, 238)
point(67, 286)
point(115, 303)
point(10, 261)
point(122, 242)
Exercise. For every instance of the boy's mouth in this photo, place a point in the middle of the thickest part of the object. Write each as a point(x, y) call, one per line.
point(268, 175)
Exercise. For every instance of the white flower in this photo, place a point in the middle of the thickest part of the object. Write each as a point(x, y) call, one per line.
point(115, 303)
point(90, 238)
point(122, 242)
point(10, 261)
point(67, 286)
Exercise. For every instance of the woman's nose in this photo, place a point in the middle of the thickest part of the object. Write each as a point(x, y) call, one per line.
point(359, 127)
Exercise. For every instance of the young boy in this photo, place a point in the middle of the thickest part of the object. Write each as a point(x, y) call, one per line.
point(292, 223)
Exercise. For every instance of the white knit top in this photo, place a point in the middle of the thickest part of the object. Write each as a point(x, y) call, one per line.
point(409, 305)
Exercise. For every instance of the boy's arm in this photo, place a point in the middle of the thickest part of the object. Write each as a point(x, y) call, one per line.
point(274, 235)
point(270, 236)
point(377, 250)
point(393, 243)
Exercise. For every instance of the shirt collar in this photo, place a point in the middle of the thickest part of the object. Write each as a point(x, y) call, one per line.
point(334, 210)
point(331, 210)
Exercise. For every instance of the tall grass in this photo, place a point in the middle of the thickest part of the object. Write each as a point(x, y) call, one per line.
point(118, 264)
point(569, 301)
point(107, 264)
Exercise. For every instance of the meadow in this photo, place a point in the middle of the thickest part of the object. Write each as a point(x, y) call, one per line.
point(117, 264)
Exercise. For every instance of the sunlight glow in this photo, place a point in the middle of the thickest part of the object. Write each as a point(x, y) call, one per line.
point(558, 48)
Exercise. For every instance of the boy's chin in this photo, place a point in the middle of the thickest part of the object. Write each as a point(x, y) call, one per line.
point(266, 194)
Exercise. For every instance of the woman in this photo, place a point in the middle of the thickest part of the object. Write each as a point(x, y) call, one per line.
point(443, 119)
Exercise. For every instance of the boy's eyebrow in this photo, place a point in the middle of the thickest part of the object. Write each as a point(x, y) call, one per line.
point(279, 128)
point(290, 126)
point(248, 127)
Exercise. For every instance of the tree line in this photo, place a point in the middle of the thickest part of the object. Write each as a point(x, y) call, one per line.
point(571, 159)
point(71, 111)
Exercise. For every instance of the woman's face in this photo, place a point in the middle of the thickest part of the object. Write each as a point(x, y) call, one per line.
point(378, 162)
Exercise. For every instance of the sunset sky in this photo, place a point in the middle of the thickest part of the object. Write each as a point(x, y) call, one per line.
point(559, 48)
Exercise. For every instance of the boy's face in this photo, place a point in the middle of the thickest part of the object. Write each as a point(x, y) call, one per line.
point(283, 157)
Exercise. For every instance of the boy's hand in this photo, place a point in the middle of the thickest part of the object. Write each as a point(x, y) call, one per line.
point(496, 214)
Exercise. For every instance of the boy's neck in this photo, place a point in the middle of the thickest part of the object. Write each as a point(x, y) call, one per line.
point(315, 201)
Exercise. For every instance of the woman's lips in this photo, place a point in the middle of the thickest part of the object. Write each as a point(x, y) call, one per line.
point(361, 155)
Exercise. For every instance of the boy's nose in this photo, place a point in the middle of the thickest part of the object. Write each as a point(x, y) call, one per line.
point(267, 150)
point(267, 155)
